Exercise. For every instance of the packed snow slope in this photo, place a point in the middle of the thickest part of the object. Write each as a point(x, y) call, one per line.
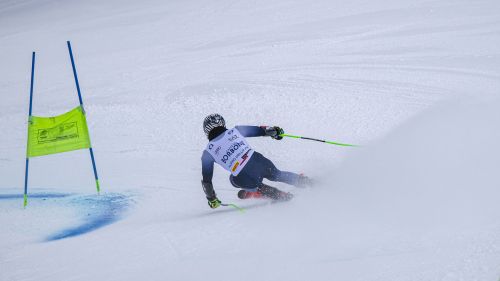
point(416, 83)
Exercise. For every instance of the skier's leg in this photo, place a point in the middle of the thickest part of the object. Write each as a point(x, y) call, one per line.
point(249, 185)
point(243, 182)
point(258, 168)
point(274, 174)
point(274, 193)
point(250, 181)
point(263, 190)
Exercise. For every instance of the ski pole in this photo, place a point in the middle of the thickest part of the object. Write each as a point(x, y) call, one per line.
point(234, 206)
point(329, 142)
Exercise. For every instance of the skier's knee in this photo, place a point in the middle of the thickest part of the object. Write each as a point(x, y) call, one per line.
point(274, 175)
point(233, 183)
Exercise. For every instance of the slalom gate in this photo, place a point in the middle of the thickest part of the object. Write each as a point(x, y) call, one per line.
point(57, 134)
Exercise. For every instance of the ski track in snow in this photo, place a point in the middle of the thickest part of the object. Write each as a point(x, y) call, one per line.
point(414, 82)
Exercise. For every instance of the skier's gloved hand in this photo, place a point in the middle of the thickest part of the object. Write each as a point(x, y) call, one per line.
point(213, 202)
point(274, 132)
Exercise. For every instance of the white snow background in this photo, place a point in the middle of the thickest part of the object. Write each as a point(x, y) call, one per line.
point(416, 83)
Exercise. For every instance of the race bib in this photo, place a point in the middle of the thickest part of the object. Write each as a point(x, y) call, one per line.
point(231, 151)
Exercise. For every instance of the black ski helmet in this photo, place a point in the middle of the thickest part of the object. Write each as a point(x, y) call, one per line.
point(213, 121)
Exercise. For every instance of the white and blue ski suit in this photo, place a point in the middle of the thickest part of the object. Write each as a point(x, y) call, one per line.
point(248, 168)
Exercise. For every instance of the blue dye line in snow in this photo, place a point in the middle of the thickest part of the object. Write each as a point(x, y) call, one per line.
point(34, 195)
point(98, 211)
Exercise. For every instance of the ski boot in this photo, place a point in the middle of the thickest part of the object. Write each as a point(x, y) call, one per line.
point(266, 191)
point(243, 194)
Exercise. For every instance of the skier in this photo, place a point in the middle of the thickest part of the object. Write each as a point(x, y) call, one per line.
point(230, 149)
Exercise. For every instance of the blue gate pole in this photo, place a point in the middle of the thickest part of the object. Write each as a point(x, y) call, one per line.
point(81, 104)
point(29, 120)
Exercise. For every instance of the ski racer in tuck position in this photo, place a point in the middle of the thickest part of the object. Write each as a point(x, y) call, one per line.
point(248, 168)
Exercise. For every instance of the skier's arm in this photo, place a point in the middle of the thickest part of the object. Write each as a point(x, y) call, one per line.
point(251, 131)
point(207, 170)
point(255, 131)
point(207, 166)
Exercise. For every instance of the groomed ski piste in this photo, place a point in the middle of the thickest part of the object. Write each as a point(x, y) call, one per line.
point(415, 83)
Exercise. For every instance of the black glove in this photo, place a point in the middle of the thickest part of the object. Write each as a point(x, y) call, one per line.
point(214, 203)
point(274, 132)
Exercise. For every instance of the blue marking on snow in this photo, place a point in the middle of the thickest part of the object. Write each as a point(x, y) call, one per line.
point(98, 211)
point(35, 195)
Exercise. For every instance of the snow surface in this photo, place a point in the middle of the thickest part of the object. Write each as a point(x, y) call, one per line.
point(415, 82)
